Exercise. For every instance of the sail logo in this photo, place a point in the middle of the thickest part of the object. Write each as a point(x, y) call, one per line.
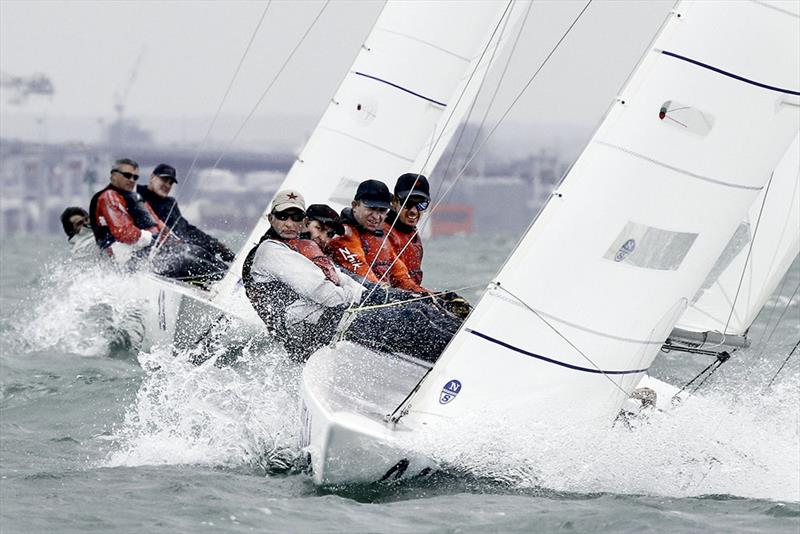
point(449, 391)
point(625, 250)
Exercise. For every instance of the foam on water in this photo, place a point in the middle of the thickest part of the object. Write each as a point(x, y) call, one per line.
point(735, 442)
point(244, 414)
point(82, 308)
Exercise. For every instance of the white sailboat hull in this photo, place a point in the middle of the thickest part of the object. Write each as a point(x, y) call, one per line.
point(345, 433)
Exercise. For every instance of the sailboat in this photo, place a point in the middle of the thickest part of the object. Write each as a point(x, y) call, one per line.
point(618, 256)
point(392, 114)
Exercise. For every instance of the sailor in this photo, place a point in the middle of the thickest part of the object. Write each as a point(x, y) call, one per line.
point(411, 198)
point(156, 194)
point(302, 296)
point(125, 227)
point(121, 222)
point(80, 237)
point(363, 248)
point(321, 225)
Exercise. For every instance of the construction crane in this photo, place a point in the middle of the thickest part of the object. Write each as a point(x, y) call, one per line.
point(22, 87)
point(121, 96)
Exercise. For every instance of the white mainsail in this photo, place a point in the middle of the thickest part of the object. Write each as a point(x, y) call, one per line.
point(398, 106)
point(584, 303)
point(755, 260)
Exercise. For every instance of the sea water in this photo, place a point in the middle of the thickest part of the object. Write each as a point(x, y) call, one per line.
point(97, 435)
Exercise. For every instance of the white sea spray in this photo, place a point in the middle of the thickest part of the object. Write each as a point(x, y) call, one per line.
point(742, 441)
point(228, 415)
point(83, 308)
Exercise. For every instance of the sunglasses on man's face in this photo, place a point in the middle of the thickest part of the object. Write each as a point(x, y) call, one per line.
point(295, 216)
point(128, 175)
point(422, 205)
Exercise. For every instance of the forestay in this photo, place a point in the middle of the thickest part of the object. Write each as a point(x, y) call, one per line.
point(591, 292)
point(755, 260)
point(396, 108)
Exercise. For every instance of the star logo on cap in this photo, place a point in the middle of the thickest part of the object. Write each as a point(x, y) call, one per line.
point(292, 196)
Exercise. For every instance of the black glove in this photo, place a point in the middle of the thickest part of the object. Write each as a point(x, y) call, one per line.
point(455, 304)
point(226, 254)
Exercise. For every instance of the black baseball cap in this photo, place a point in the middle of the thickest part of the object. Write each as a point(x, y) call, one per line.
point(327, 216)
point(410, 184)
point(166, 171)
point(374, 194)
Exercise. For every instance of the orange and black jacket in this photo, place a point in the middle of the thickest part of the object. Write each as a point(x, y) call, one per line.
point(411, 255)
point(358, 248)
point(119, 215)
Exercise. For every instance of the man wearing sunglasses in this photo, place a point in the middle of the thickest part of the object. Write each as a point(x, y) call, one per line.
point(121, 221)
point(364, 248)
point(411, 198)
point(302, 296)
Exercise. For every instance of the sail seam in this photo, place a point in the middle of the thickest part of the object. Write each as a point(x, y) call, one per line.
point(677, 169)
point(730, 74)
point(575, 325)
point(776, 8)
point(404, 89)
point(376, 147)
point(427, 43)
point(551, 360)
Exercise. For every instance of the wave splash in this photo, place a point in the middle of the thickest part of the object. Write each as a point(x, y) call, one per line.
point(211, 414)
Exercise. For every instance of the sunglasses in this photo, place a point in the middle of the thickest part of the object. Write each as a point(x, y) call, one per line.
point(128, 175)
point(284, 215)
point(421, 205)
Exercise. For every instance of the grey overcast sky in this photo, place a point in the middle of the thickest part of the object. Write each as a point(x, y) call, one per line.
point(190, 50)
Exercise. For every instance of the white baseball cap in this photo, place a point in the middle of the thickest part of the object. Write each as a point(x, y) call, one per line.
point(288, 198)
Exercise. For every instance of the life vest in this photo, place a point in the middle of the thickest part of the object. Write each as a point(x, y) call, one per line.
point(134, 204)
point(372, 243)
point(270, 299)
point(401, 234)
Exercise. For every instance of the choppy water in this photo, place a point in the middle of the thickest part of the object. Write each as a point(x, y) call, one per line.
point(96, 435)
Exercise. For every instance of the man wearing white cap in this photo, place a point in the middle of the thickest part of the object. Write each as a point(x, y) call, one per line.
point(301, 295)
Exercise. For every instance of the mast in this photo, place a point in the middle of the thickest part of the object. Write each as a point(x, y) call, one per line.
point(585, 302)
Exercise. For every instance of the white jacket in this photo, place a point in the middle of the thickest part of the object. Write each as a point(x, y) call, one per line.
point(276, 261)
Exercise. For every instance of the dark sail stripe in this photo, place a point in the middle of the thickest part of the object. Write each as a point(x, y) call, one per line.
point(551, 360)
point(409, 91)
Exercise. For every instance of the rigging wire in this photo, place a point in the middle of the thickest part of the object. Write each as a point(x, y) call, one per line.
point(218, 112)
point(749, 253)
point(268, 88)
point(782, 365)
point(438, 140)
point(494, 128)
point(562, 336)
point(778, 322)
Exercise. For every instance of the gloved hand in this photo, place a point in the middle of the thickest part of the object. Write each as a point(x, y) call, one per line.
point(455, 304)
point(227, 255)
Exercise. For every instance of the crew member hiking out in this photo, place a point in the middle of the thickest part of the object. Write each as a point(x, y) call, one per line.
point(411, 198)
point(156, 194)
point(80, 237)
point(125, 227)
point(363, 248)
point(302, 296)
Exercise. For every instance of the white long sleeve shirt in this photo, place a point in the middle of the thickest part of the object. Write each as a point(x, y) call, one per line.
point(276, 261)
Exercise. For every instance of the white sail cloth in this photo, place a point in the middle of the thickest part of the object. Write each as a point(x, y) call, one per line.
point(396, 108)
point(583, 305)
point(755, 260)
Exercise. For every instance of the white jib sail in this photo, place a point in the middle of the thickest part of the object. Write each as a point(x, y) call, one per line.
point(756, 258)
point(396, 108)
point(585, 301)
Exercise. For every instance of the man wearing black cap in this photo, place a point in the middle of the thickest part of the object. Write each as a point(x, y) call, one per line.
point(321, 224)
point(156, 194)
point(412, 195)
point(363, 248)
